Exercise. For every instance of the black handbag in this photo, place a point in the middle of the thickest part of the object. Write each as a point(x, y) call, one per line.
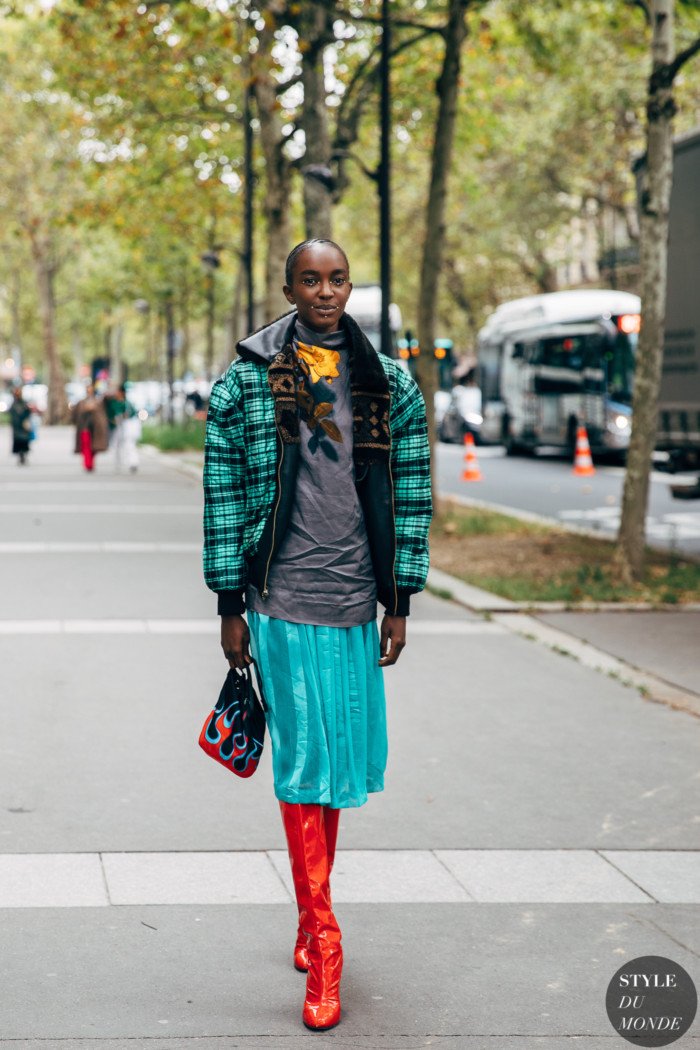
point(234, 732)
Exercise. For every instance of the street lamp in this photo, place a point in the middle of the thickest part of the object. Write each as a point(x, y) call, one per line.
point(384, 181)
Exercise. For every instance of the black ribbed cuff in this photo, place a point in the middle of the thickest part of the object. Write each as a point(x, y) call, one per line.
point(401, 606)
point(230, 603)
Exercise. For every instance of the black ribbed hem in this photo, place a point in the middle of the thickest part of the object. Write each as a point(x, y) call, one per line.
point(230, 603)
point(400, 606)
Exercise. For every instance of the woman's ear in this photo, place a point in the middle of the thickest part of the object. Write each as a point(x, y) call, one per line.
point(288, 293)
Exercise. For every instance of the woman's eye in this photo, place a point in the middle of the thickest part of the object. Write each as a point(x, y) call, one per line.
point(339, 280)
point(309, 280)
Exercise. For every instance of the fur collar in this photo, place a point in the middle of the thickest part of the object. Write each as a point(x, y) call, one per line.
point(271, 345)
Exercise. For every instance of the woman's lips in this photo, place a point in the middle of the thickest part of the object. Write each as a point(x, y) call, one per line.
point(325, 309)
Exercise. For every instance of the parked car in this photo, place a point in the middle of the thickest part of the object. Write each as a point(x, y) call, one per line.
point(462, 415)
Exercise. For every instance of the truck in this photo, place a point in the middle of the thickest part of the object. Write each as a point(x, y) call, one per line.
point(550, 363)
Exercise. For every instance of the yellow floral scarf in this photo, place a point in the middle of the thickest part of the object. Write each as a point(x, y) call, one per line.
point(321, 362)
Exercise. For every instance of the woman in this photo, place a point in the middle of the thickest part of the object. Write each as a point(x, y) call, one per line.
point(317, 504)
point(21, 423)
point(91, 428)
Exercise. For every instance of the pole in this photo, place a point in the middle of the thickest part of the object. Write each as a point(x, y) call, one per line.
point(170, 354)
point(248, 213)
point(384, 184)
point(211, 310)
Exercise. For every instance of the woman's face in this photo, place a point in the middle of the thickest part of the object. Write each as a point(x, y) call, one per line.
point(320, 287)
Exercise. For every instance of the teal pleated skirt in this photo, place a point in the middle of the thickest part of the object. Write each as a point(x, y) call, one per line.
point(326, 709)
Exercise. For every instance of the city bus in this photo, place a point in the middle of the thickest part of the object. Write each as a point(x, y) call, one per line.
point(550, 363)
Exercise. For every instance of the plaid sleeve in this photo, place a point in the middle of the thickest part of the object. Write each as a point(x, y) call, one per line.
point(224, 494)
point(410, 466)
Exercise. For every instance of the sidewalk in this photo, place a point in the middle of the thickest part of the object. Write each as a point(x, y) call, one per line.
point(656, 650)
point(538, 828)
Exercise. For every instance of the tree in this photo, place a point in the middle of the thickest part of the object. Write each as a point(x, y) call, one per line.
point(447, 88)
point(655, 195)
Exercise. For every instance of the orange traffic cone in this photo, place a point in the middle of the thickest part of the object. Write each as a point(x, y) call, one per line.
point(471, 470)
point(583, 464)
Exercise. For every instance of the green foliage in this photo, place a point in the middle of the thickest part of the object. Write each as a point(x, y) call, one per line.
point(121, 131)
point(175, 437)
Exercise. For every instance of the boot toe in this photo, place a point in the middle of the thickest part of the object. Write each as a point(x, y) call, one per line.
point(319, 1016)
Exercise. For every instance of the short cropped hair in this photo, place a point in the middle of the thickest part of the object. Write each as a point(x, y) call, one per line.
point(299, 248)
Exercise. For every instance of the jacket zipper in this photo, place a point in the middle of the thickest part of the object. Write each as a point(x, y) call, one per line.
point(265, 594)
point(393, 513)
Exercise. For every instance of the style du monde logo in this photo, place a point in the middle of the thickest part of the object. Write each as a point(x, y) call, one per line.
point(651, 1001)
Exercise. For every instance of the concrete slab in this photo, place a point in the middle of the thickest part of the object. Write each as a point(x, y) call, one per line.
point(539, 875)
point(45, 880)
point(384, 876)
point(193, 878)
point(107, 585)
point(415, 971)
point(668, 875)
point(665, 643)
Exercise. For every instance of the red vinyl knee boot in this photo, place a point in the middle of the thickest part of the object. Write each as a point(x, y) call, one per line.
point(330, 818)
point(304, 827)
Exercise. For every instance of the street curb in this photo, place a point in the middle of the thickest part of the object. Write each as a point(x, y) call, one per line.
point(514, 619)
point(173, 460)
point(515, 616)
point(541, 519)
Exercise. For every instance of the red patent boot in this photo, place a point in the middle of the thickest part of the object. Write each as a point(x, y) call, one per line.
point(330, 818)
point(305, 829)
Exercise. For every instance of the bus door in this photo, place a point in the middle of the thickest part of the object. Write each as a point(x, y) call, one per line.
point(520, 402)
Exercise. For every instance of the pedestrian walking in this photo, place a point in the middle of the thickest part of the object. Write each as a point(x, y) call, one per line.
point(91, 427)
point(125, 427)
point(317, 505)
point(21, 424)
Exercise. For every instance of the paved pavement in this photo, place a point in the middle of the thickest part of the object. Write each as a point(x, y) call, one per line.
point(666, 642)
point(539, 824)
point(545, 485)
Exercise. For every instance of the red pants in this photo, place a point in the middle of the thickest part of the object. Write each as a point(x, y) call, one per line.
point(86, 449)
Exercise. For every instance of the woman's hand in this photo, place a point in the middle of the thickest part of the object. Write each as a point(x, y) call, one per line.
point(393, 630)
point(235, 641)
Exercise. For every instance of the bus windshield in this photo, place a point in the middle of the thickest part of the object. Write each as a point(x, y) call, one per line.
point(599, 362)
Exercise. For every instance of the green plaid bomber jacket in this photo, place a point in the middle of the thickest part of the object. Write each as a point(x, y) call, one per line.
point(251, 458)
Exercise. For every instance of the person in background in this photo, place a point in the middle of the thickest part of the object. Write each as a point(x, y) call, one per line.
point(125, 427)
point(91, 427)
point(21, 423)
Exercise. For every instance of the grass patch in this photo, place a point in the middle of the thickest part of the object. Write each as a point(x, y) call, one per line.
point(177, 437)
point(530, 562)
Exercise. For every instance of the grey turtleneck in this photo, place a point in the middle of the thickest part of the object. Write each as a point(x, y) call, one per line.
point(322, 573)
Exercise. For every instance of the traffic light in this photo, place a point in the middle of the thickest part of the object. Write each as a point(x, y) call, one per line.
point(442, 352)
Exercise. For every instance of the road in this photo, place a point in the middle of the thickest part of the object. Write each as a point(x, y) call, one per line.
point(537, 829)
point(546, 485)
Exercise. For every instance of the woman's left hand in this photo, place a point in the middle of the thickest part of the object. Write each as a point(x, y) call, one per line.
point(392, 639)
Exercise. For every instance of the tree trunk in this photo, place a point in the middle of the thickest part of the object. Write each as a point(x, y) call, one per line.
point(431, 264)
point(277, 173)
point(316, 31)
point(45, 272)
point(654, 206)
point(233, 327)
point(184, 311)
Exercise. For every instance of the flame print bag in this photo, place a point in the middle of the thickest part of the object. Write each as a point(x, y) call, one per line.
point(234, 732)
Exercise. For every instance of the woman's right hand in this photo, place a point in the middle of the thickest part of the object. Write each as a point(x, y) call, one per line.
point(235, 641)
